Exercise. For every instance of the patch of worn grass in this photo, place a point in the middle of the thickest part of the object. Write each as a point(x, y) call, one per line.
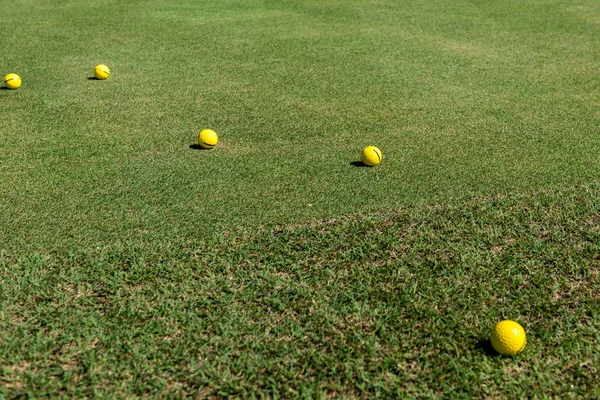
point(394, 304)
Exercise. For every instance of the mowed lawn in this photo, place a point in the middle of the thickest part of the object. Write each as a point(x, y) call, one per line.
point(463, 97)
point(275, 265)
point(397, 304)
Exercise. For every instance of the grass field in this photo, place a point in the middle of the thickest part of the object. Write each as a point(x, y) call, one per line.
point(273, 265)
point(395, 304)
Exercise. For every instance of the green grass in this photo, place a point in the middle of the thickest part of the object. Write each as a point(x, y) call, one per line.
point(463, 97)
point(272, 266)
point(394, 304)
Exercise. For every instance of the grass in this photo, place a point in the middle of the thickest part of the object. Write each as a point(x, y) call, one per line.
point(390, 304)
point(272, 266)
point(463, 98)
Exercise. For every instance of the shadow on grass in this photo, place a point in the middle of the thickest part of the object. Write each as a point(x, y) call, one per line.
point(359, 164)
point(196, 146)
point(93, 78)
point(4, 88)
point(486, 346)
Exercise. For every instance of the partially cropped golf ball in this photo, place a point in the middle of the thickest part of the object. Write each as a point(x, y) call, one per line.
point(12, 81)
point(371, 156)
point(207, 139)
point(508, 338)
point(101, 72)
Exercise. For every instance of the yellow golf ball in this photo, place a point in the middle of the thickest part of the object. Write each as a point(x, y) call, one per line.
point(101, 72)
point(371, 156)
point(12, 81)
point(207, 139)
point(508, 338)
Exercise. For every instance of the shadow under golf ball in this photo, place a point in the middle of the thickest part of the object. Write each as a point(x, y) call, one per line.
point(196, 146)
point(486, 346)
point(359, 164)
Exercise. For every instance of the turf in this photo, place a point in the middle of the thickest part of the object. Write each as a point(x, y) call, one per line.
point(391, 304)
point(463, 98)
point(133, 264)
